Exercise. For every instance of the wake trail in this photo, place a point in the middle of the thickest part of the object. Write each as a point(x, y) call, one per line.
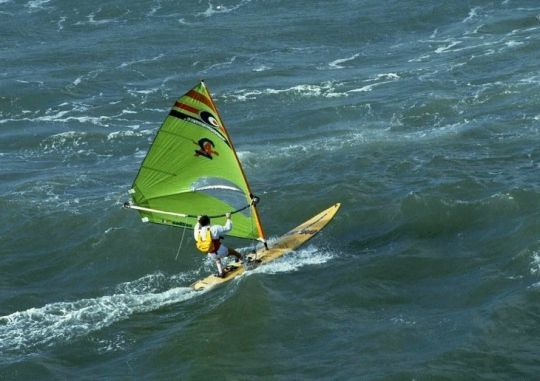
point(64, 321)
point(61, 322)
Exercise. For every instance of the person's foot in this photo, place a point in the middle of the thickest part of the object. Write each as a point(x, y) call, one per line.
point(220, 275)
point(238, 260)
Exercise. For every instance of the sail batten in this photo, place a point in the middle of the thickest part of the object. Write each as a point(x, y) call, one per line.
point(192, 169)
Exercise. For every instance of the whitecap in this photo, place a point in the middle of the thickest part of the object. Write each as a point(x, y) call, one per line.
point(219, 9)
point(184, 22)
point(337, 63)
point(34, 4)
point(60, 23)
point(129, 133)
point(365, 88)
point(63, 321)
point(535, 264)
point(387, 76)
point(309, 256)
point(214, 66)
point(512, 44)
point(261, 68)
point(143, 60)
point(118, 343)
point(325, 89)
point(400, 320)
point(473, 13)
point(444, 49)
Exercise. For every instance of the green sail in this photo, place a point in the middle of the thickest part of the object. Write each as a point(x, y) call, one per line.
point(192, 169)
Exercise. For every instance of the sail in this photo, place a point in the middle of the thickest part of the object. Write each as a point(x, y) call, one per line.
point(192, 169)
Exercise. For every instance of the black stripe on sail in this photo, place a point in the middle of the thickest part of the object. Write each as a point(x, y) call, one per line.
point(180, 115)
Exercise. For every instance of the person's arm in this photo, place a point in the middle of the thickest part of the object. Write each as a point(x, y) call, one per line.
point(228, 225)
point(196, 229)
point(219, 230)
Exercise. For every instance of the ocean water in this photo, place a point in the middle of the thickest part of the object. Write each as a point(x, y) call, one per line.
point(422, 118)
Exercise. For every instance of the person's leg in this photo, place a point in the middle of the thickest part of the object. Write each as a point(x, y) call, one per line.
point(217, 260)
point(219, 267)
point(224, 251)
point(235, 254)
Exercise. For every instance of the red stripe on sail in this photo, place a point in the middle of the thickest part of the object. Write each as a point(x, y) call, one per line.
point(201, 98)
point(186, 107)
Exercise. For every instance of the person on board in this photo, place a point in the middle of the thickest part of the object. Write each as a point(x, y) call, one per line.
point(216, 249)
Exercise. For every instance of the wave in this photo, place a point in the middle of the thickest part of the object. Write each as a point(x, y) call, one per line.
point(326, 89)
point(343, 140)
point(220, 9)
point(81, 142)
point(143, 60)
point(219, 65)
point(473, 14)
point(37, 4)
point(64, 321)
point(308, 256)
point(337, 63)
point(535, 263)
point(61, 322)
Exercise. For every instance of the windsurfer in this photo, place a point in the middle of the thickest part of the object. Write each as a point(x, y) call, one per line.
point(217, 249)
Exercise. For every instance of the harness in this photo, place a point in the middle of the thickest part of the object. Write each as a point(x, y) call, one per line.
point(206, 244)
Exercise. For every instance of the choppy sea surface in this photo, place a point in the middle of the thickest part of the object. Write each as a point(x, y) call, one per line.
point(421, 117)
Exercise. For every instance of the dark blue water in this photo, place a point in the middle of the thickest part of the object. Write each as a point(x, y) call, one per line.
point(422, 118)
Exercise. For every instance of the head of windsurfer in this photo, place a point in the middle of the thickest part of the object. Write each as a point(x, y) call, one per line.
point(204, 220)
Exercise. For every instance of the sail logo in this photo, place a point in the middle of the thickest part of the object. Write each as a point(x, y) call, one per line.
point(204, 119)
point(206, 148)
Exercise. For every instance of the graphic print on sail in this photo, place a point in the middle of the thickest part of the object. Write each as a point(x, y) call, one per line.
point(192, 169)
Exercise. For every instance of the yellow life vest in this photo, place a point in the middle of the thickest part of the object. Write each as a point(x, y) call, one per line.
point(206, 244)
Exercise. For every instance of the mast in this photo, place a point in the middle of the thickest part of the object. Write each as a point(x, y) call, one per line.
point(253, 205)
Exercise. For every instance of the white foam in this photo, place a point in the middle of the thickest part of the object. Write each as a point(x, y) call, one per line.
point(34, 4)
point(145, 91)
point(184, 22)
point(59, 117)
point(347, 140)
point(387, 76)
point(337, 63)
point(54, 142)
point(87, 77)
point(368, 87)
point(130, 133)
point(535, 263)
point(325, 89)
point(115, 344)
point(219, 9)
point(261, 68)
point(364, 88)
point(227, 63)
point(512, 44)
point(64, 321)
point(93, 21)
point(444, 49)
point(143, 60)
point(293, 261)
point(473, 13)
point(400, 320)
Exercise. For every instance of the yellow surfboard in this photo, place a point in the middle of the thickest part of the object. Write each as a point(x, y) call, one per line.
point(283, 245)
